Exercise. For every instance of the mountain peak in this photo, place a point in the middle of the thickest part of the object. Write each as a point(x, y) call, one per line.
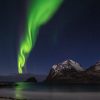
point(70, 71)
point(98, 63)
point(68, 64)
point(95, 67)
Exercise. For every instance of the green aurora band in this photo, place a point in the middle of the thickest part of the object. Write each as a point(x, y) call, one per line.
point(39, 13)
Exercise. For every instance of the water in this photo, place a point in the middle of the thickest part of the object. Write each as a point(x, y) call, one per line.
point(56, 88)
point(30, 91)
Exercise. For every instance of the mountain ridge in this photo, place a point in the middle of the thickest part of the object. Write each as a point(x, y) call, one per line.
point(71, 71)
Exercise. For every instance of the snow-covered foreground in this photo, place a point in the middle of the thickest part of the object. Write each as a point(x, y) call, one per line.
point(7, 94)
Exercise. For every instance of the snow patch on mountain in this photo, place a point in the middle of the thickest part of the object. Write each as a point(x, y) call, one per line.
point(68, 64)
point(97, 66)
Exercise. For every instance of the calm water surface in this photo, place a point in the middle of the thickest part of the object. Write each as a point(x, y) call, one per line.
point(56, 88)
point(30, 91)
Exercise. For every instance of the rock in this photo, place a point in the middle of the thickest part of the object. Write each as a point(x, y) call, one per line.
point(31, 79)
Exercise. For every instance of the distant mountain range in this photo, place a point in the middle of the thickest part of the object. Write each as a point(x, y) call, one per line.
point(67, 72)
point(71, 72)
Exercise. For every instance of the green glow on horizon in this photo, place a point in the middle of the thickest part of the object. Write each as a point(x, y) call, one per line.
point(39, 13)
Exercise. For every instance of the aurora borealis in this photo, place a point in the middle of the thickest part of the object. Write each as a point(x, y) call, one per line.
point(39, 12)
point(73, 32)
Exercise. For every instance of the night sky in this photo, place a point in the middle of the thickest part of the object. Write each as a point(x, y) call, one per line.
point(73, 33)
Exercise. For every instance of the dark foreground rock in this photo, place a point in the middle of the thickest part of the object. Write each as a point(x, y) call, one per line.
point(31, 79)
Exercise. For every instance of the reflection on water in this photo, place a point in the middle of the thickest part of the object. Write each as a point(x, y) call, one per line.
point(19, 89)
point(24, 86)
point(43, 92)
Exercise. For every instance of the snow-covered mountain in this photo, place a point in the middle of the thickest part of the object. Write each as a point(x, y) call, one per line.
point(71, 72)
point(95, 67)
point(68, 69)
point(67, 65)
